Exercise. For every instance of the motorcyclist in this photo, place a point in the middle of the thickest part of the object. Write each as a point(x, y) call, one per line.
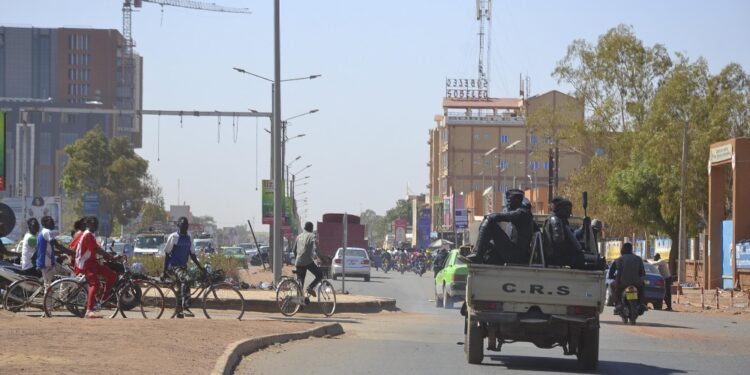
point(566, 250)
point(627, 270)
point(513, 249)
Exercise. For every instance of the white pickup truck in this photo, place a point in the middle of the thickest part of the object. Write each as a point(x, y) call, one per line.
point(547, 306)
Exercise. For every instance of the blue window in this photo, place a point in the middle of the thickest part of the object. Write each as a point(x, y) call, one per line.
point(546, 165)
point(503, 164)
point(599, 151)
point(534, 165)
point(548, 140)
point(503, 139)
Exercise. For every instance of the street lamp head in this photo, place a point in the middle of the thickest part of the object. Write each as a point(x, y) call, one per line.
point(315, 76)
point(314, 110)
point(239, 70)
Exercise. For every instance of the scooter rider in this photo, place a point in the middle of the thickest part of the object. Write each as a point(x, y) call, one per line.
point(627, 270)
point(514, 249)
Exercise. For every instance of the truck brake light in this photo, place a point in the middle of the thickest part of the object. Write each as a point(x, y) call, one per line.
point(582, 310)
point(487, 305)
point(659, 283)
point(337, 261)
point(365, 261)
point(459, 277)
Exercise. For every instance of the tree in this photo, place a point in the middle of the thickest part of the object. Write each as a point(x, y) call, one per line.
point(110, 168)
point(153, 206)
point(374, 224)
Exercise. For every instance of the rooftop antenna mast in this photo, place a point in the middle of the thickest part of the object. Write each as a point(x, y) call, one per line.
point(484, 16)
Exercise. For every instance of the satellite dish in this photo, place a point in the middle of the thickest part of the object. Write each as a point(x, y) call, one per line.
point(7, 220)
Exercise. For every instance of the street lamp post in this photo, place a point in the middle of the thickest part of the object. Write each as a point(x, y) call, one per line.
point(276, 143)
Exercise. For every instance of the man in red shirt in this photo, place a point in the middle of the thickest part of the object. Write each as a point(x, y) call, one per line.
point(86, 250)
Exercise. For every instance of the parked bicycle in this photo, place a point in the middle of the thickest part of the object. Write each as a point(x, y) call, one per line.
point(216, 295)
point(290, 298)
point(68, 296)
point(25, 295)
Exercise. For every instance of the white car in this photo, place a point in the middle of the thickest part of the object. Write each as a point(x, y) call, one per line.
point(357, 263)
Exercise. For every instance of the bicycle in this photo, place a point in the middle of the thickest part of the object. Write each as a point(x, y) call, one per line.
point(213, 291)
point(290, 299)
point(69, 295)
point(26, 294)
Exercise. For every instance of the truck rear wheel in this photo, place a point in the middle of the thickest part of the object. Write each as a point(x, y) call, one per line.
point(474, 343)
point(588, 349)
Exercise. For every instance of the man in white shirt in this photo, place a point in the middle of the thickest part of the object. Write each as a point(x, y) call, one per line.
point(663, 267)
point(28, 249)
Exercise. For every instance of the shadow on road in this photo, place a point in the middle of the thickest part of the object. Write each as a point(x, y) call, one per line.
point(570, 366)
point(316, 320)
point(645, 324)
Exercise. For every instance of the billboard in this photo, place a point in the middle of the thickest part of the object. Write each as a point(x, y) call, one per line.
point(26, 208)
point(2, 151)
point(399, 227)
point(423, 228)
point(267, 202)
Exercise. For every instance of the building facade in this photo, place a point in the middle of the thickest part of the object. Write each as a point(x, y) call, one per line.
point(51, 82)
point(480, 148)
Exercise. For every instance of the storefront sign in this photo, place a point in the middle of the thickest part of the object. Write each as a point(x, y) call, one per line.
point(721, 153)
point(466, 89)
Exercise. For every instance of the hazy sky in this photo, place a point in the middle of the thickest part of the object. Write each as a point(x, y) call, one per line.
point(383, 65)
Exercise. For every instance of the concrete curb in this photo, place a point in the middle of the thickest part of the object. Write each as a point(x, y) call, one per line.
point(232, 356)
point(367, 307)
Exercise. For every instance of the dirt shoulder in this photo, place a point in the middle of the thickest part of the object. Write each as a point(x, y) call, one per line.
point(124, 346)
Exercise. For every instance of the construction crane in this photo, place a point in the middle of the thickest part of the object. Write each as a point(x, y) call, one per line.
point(127, 18)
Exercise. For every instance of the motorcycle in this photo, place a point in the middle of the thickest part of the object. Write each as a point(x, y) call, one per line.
point(631, 306)
point(419, 268)
point(386, 265)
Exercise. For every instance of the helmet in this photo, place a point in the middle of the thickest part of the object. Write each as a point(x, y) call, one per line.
point(137, 268)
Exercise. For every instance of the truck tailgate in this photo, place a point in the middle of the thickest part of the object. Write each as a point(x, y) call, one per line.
point(530, 285)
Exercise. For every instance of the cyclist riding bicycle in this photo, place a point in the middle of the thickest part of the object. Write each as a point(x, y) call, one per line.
point(305, 249)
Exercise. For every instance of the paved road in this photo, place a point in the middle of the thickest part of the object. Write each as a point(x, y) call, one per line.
point(425, 340)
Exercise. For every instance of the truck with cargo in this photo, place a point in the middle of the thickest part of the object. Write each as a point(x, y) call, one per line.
point(545, 305)
point(330, 234)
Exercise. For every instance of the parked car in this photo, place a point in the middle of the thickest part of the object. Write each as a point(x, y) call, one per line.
point(122, 248)
point(234, 252)
point(250, 249)
point(149, 244)
point(654, 283)
point(357, 263)
point(450, 282)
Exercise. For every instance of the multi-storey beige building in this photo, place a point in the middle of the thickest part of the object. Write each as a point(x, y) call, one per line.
point(480, 148)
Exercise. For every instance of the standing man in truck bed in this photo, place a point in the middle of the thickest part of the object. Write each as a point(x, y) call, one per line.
point(506, 249)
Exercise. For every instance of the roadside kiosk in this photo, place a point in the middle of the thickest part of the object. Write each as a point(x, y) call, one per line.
point(728, 259)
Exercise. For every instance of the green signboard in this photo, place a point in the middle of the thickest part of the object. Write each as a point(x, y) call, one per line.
point(267, 202)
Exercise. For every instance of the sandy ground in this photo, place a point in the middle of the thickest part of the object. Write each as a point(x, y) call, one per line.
point(123, 346)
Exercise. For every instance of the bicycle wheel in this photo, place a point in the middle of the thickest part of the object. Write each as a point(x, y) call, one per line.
point(65, 297)
point(327, 297)
point(25, 297)
point(224, 300)
point(170, 301)
point(152, 300)
point(287, 296)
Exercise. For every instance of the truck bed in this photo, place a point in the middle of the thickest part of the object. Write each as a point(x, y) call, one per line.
point(520, 287)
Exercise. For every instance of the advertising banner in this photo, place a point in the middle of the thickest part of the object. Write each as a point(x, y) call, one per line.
point(447, 209)
point(399, 226)
point(267, 202)
point(26, 208)
point(423, 228)
point(462, 219)
point(742, 252)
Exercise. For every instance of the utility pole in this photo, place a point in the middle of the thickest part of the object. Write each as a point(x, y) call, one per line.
point(276, 136)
